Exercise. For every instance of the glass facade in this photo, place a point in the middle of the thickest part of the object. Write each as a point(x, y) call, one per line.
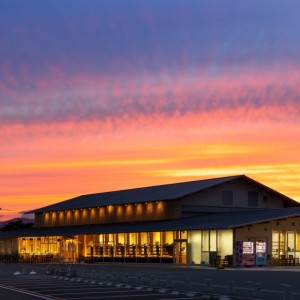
point(181, 247)
point(161, 246)
point(207, 245)
point(285, 245)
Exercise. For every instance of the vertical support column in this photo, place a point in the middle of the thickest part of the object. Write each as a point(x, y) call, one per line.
point(160, 246)
point(126, 238)
point(148, 243)
point(114, 247)
point(174, 237)
point(233, 247)
point(84, 245)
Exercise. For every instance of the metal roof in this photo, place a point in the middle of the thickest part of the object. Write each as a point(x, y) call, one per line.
point(203, 222)
point(152, 193)
point(237, 219)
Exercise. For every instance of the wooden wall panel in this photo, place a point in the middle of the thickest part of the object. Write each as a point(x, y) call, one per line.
point(152, 211)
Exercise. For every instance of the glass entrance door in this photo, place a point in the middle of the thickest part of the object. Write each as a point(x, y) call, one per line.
point(180, 251)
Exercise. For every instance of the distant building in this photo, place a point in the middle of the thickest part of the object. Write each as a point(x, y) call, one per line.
point(231, 220)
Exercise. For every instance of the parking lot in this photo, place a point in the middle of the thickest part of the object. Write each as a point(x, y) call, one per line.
point(124, 281)
point(57, 287)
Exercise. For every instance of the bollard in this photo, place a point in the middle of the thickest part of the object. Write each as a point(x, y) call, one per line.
point(187, 283)
point(93, 274)
point(169, 282)
point(231, 288)
point(79, 273)
point(102, 275)
point(126, 278)
point(207, 286)
point(135, 280)
point(70, 272)
point(48, 270)
point(152, 280)
point(287, 292)
point(139, 278)
point(257, 291)
point(23, 271)
point(114, 276)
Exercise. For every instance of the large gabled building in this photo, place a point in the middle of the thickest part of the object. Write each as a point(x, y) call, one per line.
point(189, 222)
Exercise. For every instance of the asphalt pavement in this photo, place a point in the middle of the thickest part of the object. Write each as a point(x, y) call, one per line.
point(155, 281)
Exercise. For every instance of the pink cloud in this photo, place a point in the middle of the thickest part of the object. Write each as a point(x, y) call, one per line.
point(85, 99)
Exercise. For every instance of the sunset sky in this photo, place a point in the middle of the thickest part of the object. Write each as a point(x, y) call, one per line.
point(99, 95)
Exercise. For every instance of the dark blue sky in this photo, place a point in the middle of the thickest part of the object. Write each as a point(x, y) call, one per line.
point(114, 37)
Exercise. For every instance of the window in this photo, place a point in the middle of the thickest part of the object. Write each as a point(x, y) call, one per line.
point(227, 197)
point(252, 198)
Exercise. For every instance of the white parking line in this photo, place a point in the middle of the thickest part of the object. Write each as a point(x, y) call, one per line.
point(95, 289)
point(106, 292)
point(26, 293)
point(54, 284)
point(26, 286)
point(117, 296)
point(201, 297)
point(198, 297)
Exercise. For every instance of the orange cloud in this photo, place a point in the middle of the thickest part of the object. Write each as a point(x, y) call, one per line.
point(152, 134)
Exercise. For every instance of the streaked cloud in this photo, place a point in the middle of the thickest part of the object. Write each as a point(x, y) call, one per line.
point(260, 95)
